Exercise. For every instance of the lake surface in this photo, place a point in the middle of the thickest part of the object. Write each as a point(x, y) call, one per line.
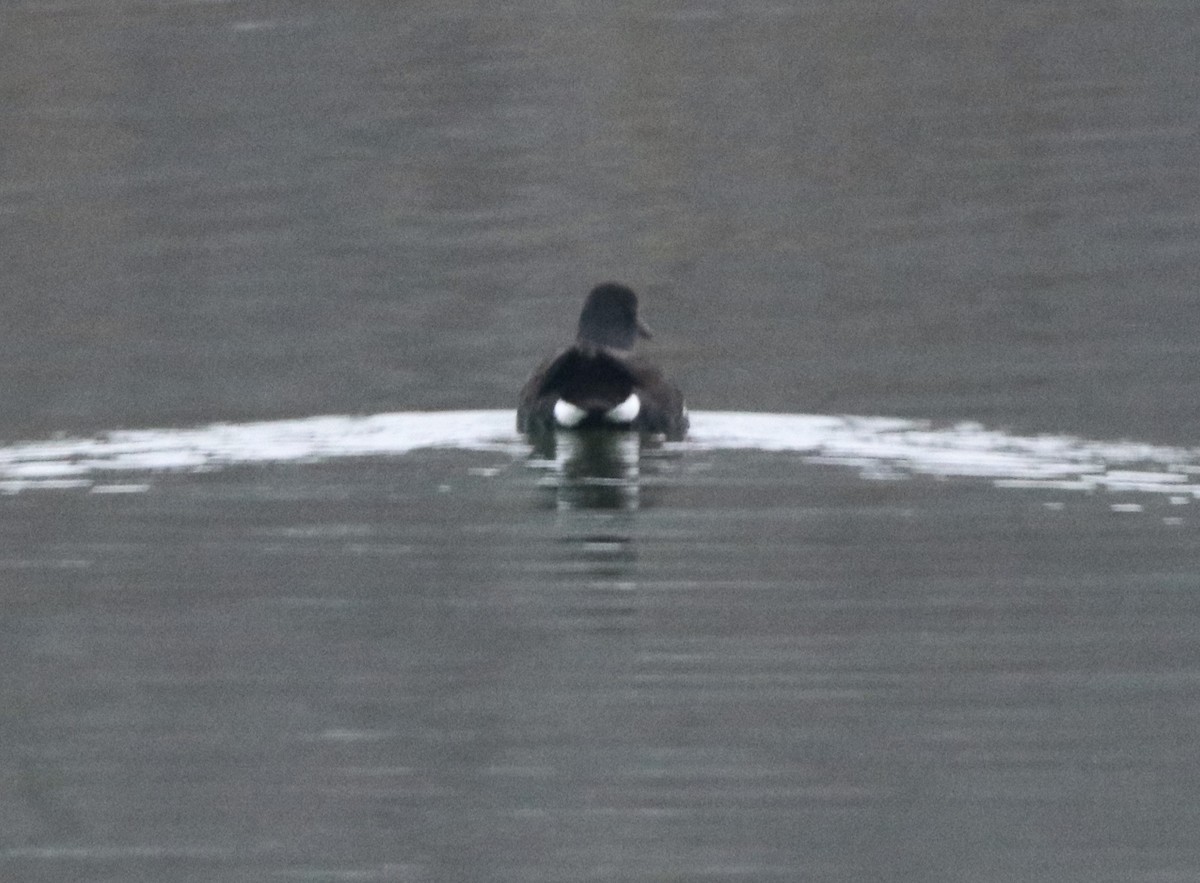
point(283, 596)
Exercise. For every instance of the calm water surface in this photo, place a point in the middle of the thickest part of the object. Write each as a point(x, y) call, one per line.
point(610, 661)
point(602, 661)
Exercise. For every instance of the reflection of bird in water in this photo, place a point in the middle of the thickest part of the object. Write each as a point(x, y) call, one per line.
point(598, 381)
point(592, 469)
point(592, 483)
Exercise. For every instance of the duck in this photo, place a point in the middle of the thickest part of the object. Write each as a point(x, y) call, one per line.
point(598, 381)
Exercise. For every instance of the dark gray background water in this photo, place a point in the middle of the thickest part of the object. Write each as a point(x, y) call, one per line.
point(423, 668)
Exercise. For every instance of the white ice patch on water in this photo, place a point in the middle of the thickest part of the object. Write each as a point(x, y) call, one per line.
point(879, 447)
point(963, 450)
point(53, 463)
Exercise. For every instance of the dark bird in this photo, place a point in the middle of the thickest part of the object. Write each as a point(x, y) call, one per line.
point(599, 381)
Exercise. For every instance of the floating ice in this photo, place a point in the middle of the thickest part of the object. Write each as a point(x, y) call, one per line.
point(879, 447)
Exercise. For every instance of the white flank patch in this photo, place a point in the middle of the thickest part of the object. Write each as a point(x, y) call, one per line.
point(626, 411)
point(567, 415)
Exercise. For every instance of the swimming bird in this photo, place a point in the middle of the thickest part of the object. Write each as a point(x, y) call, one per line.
point(598, 381)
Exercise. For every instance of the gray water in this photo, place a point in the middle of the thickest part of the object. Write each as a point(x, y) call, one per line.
point(606, 662)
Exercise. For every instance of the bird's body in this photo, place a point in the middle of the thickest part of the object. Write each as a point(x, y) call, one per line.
point(598, 381)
